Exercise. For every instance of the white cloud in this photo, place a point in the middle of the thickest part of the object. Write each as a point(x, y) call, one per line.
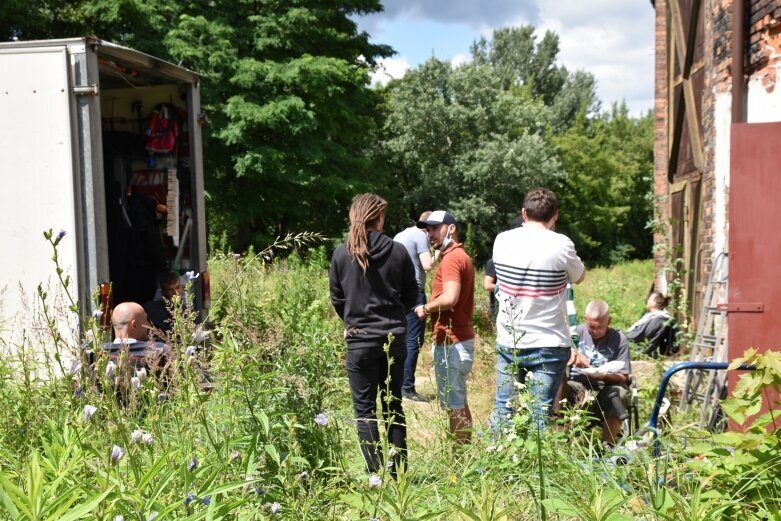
point(613, 40)
point(492, 13)
point(388, 69)
point(460, 59)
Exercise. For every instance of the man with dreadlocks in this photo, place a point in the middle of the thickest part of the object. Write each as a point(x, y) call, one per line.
point(373, 286)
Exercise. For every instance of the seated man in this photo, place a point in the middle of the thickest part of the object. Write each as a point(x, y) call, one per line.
point(131, 331)
point(655, 327)
point(599, 344)
point(158, 309)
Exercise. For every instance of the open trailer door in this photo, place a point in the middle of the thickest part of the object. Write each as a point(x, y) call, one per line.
point(40, 190)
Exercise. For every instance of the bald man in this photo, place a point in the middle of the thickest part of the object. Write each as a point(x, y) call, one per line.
point(131, 329)
point(130, 323)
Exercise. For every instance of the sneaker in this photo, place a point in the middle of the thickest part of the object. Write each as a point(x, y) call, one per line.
point(414, 396)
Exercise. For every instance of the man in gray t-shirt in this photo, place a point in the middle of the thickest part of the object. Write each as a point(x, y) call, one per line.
point(599, 344)
point(416, 242)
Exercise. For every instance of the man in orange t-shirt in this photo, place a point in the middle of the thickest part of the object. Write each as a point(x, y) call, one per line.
point(451, 308)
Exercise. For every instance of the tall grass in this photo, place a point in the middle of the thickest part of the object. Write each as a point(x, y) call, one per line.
point(274, 438)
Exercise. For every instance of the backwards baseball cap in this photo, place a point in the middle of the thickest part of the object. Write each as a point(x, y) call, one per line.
point(438, 217)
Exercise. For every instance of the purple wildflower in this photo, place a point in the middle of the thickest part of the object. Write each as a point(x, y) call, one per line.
point(190, 498)
point(193, 464)
point(322, 419)
point(117, 453)
point(275, 507)
point(206, 500)
point(60, 235)
point(89, 410)
point(375, 481)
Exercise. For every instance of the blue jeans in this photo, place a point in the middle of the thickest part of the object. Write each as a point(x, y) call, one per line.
point(416, 330)
point(547, 364)
point(452, 363)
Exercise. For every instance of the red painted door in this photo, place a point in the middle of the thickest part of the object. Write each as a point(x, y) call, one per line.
point(754, 305)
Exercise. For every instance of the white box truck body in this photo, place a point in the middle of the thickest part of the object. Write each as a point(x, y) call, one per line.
point(75, 155)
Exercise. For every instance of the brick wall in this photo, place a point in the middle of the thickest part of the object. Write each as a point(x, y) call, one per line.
point(661, 142)
point(718, 61)
point(764, 41)
point(763, 61)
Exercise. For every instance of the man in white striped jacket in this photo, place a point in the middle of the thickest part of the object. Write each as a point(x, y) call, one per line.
point(534, 264)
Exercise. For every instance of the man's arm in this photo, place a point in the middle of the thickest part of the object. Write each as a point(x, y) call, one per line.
point(335, 287)
point(410, 284)
point(426, 260)
point(448, 299)
point(575, 268)
point(489, 283)
point(622, 354)
point(613, 378)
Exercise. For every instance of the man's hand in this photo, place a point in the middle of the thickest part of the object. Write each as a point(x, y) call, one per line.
point(420, 311)
point(578, 360)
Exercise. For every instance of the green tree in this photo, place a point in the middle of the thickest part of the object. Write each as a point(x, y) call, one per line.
point(518, 59)
point(462, 139)
point(606, 203)
point(286, 89)
point(293, 112)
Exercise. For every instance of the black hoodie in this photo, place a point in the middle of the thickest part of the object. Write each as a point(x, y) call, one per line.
point(375, 303)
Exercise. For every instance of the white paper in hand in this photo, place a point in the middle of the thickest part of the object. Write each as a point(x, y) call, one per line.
point(610, 367)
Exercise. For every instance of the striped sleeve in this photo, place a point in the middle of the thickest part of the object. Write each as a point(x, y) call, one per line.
point(530, 282)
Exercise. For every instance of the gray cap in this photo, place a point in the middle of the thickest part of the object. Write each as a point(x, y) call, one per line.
point(438, 217)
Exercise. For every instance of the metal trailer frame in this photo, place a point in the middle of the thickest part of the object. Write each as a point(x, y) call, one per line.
point(87, 143)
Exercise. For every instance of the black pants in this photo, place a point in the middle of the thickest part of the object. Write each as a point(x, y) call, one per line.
point(368, 372)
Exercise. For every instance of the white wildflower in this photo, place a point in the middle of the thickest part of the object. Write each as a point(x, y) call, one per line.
point(110, 368)
point(89, 410)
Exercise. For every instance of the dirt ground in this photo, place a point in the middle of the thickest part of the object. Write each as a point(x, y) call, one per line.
point(425, 420)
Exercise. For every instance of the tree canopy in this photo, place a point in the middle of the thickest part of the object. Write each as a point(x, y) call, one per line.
point(474, 138)
point(296, 130)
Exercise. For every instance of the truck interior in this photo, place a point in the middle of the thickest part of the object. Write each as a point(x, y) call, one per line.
point(148, 179)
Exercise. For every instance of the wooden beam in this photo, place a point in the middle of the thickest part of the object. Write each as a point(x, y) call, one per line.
point(685, 54)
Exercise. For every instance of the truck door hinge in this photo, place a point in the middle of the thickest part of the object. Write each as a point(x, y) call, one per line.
point(86, 90)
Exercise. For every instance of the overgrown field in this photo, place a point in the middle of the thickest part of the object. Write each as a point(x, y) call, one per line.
point(274, 438)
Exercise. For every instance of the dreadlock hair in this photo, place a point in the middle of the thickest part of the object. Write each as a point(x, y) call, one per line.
point(365, 211)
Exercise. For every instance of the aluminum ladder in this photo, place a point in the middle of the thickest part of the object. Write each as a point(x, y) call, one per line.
point(704, 387)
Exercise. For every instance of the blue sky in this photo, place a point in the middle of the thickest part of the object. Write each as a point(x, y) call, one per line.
point(612, 39)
